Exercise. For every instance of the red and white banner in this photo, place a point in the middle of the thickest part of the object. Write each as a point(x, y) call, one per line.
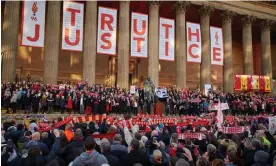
point(139, 35)
point(166, 39)
point(234, 130)
point(252, 82)
point(33, 23)
point(107, 28)
point(72, 31)
point(187, 135)
point(219, 116)
point(216, 46)
point(193, 42)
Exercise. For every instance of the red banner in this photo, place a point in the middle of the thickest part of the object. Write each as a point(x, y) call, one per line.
point(261, 83)
point(237, 84)
point(252, 82)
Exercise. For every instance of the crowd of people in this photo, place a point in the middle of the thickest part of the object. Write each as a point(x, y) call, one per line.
point(99, 143)
point(103, 144)
point(99, 99)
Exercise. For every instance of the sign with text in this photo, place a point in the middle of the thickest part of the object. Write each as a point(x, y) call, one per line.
point(132, 89)
point(216, 106)
point(193, 42)
point(161, 92)
point(272, 124)
point(207, 88)
point(72, 31)
point(33, 23)
point(166, 39)
point(107, 28)
point(139, 35)
point(216, 46)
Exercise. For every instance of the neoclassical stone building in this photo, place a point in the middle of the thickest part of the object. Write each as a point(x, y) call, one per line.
point(249, 37)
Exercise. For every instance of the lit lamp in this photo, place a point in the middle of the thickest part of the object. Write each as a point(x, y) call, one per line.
point(159, 67)
point(108, 79)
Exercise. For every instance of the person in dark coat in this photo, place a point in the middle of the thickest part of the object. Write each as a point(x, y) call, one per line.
point(23, 140)
point(46, 140)
point(261, 158)
point(117, 149)
point(62, 104)
point(50, 103)
point(14, 133)
point(57, 103)
point(95, 107)
point(250, 150)
point(35, 103)
point(102, 105)
point(76, 105)
point(105, 149)
point(135, 155)
point(9, 156)
point(35, 158)
point(74, 148)
point(27, 102)
point(36, 142)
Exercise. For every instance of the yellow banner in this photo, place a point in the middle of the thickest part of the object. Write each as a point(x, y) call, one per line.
point(244, 82)
point(267, 84)
point(255, 82)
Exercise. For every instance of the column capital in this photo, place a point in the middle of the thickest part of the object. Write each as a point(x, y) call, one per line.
point(205, 11)
point(124, 1)
point(154, 4)
point(266, 24)
point(181, 6)
point(247, 20)
point(227, 16)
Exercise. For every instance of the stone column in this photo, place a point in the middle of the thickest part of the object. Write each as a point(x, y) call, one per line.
point(181, 55)
point(123, 49)
point(113, 68)
point(228, 77)
point(109, 70)
point(153, 68)
point(89, 48)
point(205, 66)
point(135, 73)
point(266, 50)
point(248, 67)
point(52, 42)
point(10, 40)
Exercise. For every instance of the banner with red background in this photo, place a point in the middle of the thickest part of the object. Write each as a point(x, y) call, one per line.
point(252, 82)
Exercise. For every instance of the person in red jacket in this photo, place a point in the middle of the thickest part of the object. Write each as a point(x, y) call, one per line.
point(36, 87)
point(69, 104)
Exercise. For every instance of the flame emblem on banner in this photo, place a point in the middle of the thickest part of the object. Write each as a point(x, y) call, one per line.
point(216, 36)
point(34, 10)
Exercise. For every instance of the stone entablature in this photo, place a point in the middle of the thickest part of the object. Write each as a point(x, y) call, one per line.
point(263, 14)
point(259, 10)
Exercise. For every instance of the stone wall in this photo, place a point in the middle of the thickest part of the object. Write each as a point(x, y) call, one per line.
point(30, 60)
point(273, 56)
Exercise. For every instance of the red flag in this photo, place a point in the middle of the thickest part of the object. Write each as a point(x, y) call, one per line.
point(237, 82)
point(261, 83)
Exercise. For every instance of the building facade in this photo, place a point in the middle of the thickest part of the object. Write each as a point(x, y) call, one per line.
point(249, 38)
